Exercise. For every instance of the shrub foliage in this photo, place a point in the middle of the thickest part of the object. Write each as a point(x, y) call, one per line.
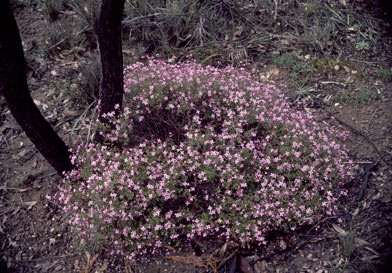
point(199, 152)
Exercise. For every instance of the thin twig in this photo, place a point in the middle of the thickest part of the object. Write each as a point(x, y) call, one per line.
point(330, 82)
point(129, 21)
point(366, 62)
point(50, 257)
point(276, 9)
point(368, 170)
point(225, 260)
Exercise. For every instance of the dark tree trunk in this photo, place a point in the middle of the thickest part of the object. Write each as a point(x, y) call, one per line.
point(109, 39)
point(13, 85)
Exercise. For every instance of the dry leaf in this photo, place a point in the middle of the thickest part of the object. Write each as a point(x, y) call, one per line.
point(102, 268)
point(282, 244)
point(128, 266)
point(372, 250)
point(245, 266)
point(274, 71)
point(360, 242)
point(369, 258)
point(93, 260)
point(128, 52)
point(343, 2)
point(261, 267)
point(356, 211)
point(263, 77)
point(223, 249)
point(30, 204)
point(339, 230)
point(72, 113)
point(88, 256)
point(169, 247)
point(17, 209)
point(327, 98)
point(52, 241)
point(76, 265)
point(90, 262)
point(238, 33)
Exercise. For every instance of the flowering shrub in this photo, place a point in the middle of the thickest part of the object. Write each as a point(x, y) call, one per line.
point(201, 151)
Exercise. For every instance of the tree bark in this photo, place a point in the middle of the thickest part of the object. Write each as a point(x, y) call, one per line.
point(13, 85)
point(110, 47)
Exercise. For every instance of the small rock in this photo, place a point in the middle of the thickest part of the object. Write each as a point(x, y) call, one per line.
point(337, 67)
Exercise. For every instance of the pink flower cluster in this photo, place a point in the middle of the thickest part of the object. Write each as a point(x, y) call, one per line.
point(222, 155)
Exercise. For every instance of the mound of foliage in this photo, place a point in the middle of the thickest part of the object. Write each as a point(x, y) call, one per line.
point(199, 152)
